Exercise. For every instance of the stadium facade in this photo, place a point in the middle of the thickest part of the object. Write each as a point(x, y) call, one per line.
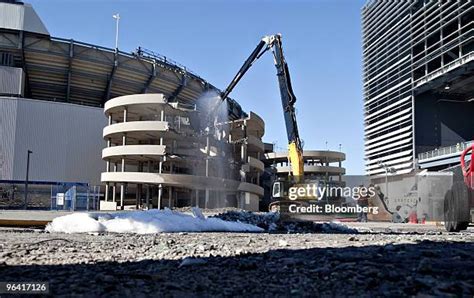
point(418, 80)
point(157, 155)
point(53, 95)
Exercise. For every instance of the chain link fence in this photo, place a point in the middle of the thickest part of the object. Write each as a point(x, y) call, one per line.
point(49, 196)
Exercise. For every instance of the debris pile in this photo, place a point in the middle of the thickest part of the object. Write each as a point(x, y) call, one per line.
point(266, 221)
point(270, 222)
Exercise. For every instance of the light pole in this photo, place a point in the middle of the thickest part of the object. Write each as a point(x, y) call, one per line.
point(27, 177)
point(387, 169)
point(117, 20)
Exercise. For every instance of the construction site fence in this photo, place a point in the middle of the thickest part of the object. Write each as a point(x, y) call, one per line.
point(49, 196)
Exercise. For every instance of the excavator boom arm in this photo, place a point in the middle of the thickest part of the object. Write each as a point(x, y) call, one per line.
point(288, 99)
point(261, 48)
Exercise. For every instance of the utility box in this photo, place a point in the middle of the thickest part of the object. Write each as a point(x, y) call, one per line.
point(108, 206)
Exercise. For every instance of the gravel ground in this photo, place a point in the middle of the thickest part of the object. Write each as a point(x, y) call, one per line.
point(380, 262)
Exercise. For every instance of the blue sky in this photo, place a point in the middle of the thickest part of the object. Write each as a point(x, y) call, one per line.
point(321, 39)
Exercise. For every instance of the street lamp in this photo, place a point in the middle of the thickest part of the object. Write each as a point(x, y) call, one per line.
point(117, 20)
point(27, 177)
point(387, 169)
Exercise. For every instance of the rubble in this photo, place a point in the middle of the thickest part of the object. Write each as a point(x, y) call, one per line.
point(242, 264)
point(271, 222)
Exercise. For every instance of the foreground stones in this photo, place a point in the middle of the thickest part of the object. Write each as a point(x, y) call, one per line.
point(377, 263)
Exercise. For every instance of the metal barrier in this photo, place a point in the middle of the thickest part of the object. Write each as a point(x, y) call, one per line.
point(458, 148)
point(44, 195)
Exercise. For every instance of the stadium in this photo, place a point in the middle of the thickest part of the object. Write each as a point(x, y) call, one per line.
point(53, 92)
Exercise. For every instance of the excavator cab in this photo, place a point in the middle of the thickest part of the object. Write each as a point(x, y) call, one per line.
point(280, 195)
point(280, 188)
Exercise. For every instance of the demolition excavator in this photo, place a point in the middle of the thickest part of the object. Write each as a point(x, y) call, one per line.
point(288, 99)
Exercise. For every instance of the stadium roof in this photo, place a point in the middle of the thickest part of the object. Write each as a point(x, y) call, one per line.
point(66, 70)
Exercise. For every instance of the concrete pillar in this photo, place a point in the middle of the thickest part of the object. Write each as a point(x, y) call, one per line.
point(140, 192)
point(122, 186)
point(258, 173)
point(114, 188)
point(122, 195)
point(160, 171)
point(137, 197)
point(196, 193)
point(243, 160)
point(160, 195)
point(340, 175)
point(170, 190)
point(327, 172)
point(107, 167)
point(241, 202)
point(160, 164)
point(148, 190)
point(220, 199)
point(243, 151)
point(148, 193)
point(107, 191)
